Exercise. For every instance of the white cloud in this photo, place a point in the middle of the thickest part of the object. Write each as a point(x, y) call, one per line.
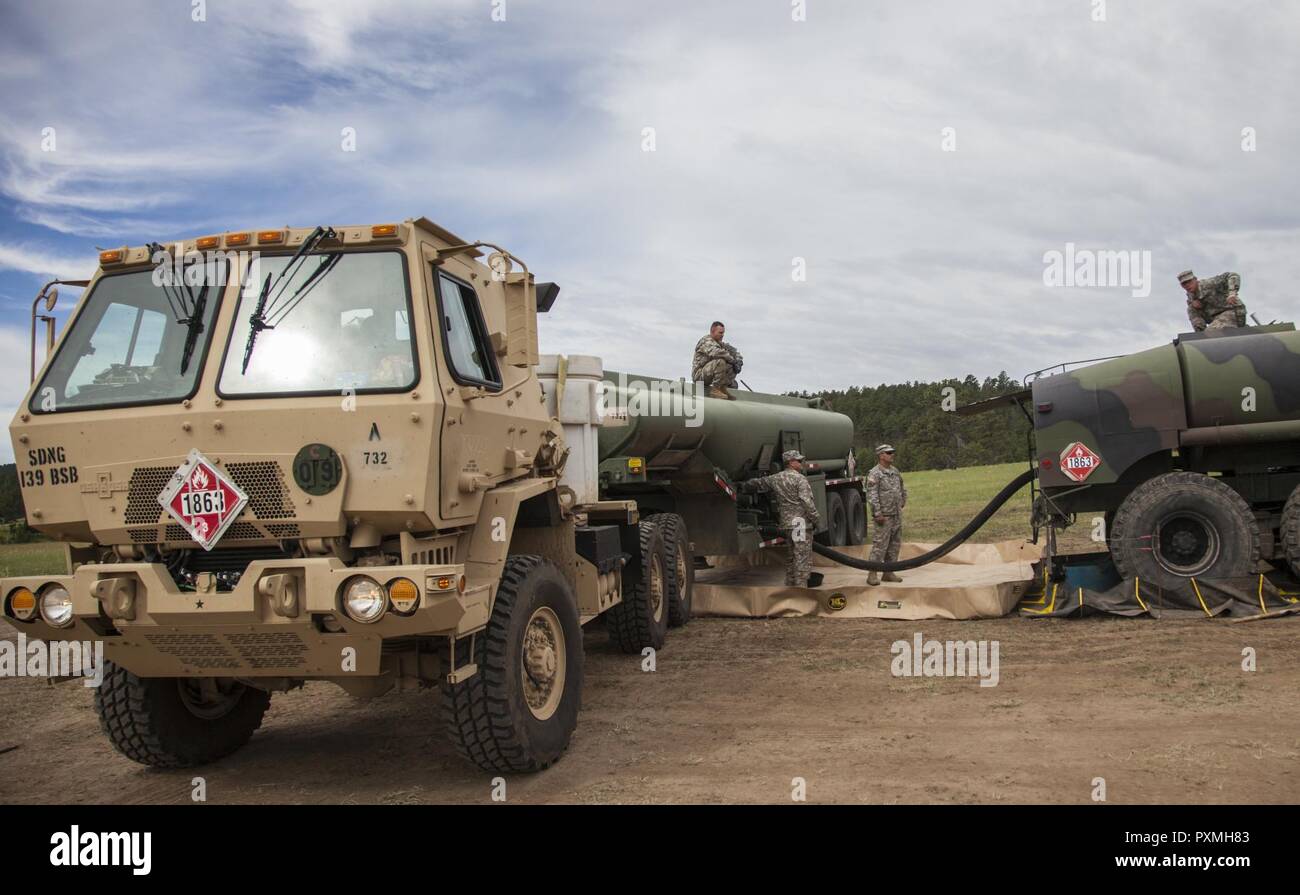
point(36, 260)
point(14, 375)
point(775, 140)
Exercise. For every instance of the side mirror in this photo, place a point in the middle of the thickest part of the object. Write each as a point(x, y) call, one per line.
point(500, 266)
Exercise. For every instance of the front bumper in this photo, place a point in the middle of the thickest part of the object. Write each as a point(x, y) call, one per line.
point(153, 628)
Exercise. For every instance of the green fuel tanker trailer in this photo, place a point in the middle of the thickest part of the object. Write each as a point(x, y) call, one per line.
point(1189, 453)
point(679, 455)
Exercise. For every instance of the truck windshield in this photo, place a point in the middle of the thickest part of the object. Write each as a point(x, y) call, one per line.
point(125, 347)
point(351, 331)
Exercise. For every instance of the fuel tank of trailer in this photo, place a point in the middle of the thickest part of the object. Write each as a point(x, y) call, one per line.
point(668, 422)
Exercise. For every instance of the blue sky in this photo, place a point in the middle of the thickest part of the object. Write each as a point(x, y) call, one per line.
point(774, 140)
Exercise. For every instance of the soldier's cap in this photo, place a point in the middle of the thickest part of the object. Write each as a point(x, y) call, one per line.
point(1186, 276)
point(791, 455)
point(884, 449)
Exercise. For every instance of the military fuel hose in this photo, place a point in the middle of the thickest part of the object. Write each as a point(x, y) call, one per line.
point(943, 549)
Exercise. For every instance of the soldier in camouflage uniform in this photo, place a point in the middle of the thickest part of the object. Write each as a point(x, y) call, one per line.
point(1213, 303)
point(886, 495)
point(716, 363)
point(798, 513)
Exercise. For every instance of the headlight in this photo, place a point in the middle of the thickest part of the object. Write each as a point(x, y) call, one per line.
point(56, 606)
point(363, 599)
point(22, 604)
point(403, 595)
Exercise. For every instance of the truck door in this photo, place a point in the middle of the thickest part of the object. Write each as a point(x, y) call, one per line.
point(476, 426)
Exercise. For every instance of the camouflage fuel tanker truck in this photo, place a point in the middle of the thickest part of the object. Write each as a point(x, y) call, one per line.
point(1189, 452)
point(335, 454)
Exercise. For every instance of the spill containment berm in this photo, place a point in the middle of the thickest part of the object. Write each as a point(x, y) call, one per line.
point(973, 581)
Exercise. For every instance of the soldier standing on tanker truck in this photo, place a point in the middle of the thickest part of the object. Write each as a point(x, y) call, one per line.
point(1213, 303)
point(798, 513)
point(716, 363)
point(886, 495)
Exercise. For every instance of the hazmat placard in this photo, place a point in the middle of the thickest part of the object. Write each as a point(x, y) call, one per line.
point(202, 499)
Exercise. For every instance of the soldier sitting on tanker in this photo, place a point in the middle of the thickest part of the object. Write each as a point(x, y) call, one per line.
point(1213, 304)
point(797, 511)
point(716, 364)
point(886, 495)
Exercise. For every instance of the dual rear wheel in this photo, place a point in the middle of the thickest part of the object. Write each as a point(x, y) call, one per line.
point(846, 518)
point(1290, 532)
point(657, 591)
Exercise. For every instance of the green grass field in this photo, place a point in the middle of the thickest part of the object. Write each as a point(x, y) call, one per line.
point(40, 558)
point(939, 501)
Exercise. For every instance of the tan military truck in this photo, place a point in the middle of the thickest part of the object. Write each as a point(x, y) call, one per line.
point(328, 454)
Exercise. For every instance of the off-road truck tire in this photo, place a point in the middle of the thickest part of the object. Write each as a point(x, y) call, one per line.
point(641, 619)
point(837, 520)
point(1183, 525)
point(517, 713)
point(160, 721)
point(680, 568)
point(856, 514)
point(1290, 532)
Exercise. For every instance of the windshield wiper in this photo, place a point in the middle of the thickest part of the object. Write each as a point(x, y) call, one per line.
point(178, 295)
point(186, 307)
point(266, 314)
point(194, 325)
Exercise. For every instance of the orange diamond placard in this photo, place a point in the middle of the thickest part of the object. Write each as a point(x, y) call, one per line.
point(1078, 461)
point(202, 499)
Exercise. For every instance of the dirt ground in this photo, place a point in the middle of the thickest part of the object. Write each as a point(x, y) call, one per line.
point(738, 708)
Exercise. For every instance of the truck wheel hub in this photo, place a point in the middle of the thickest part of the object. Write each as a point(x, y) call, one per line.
point(210, 698)
point(1187, 544)
point(543, 663)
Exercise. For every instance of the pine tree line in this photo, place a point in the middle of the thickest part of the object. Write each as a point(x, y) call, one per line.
point(912, 417)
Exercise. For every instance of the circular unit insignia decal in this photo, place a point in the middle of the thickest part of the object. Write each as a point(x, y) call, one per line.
point(317, 469)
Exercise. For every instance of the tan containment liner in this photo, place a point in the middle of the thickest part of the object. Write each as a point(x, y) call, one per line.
point(973, 581)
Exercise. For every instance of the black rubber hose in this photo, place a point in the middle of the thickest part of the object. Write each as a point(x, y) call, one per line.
point(943, 549)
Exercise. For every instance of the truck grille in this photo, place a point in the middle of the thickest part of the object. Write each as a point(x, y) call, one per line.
point(263, 481)
point(437, 556)
point(211, 651)
point(147, 483)
point(195, 650)
point(270, 650)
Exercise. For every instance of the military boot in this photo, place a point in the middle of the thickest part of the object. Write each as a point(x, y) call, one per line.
point(716, 392)
point(890, 576)
point(873, 579)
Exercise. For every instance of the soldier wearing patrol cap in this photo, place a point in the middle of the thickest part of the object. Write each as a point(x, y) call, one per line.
point(886, 495)
point(1213, 303)
point(797, 511)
